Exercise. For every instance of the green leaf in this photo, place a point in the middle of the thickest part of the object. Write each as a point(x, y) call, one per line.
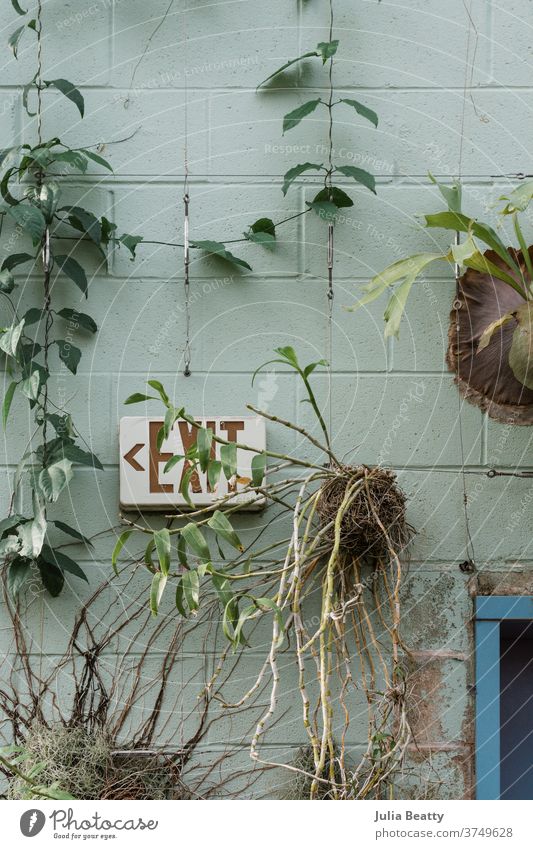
point(521, 352)
point(74, 158)
point(32, 533)
point(18, 572)
point(457, 221)
point(182, 551)
point(18, 8)
point(159, 582)
point(228, 458)
point(196, 541)
point(52, 577)
point(204, 440)
point(79, 318)
point(10, 339)
point(180, 600)
point(14, 39)
point(85, 222)
point(33, 315)
point(96, 158)
point(69, 355)
point(288, 64)
point(225, 594)
point(218, 249)
point(359, 175)
point(72, 269)
point(30, 219)
point(191, 588)
point(324, 209)
point(362, 110)
point(480, 262)
point(261, 605)
point(292, 119)
point(259, 462)
point(53, 480)
point(7, 282)
point(68, 90)
point(63, 562)
point(177, 458)
point(335, 195)
point(171, 416)
point(119, 545)
point(12, 261)
point(131, 242)
point(288, 353)
point(519, 199)
point(213, 473)
point(72, 532)
point(293, 173)
point(10, 522)
point(25, 95)
point(8, 398)
point(75, 454)
point(327, 49)
point(451, 194)
point(222, 526)
point(403, 271)
point(396, 306)
point(138, 397)
point(162, 544)
point(158, 386)
point(262, 232)
point(4, 187)
point(309, 369)
point(31, 385)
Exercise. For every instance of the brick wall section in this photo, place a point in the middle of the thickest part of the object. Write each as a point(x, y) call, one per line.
point(405, 59)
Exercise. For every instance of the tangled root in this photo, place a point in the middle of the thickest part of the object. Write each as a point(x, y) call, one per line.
point(377, 511)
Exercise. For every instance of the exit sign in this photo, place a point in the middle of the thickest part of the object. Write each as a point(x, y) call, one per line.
point(144, 484)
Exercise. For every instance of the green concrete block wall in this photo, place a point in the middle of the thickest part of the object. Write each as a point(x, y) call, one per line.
point(391, 401)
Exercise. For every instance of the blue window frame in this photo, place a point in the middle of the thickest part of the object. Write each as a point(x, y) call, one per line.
point(493, 615)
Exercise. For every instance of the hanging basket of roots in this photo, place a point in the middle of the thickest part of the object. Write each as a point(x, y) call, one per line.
point(374, 521)
point(495, 376)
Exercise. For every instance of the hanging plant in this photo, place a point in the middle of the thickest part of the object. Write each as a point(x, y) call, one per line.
point(491, 323)
point(348, 535)
point(40, 340)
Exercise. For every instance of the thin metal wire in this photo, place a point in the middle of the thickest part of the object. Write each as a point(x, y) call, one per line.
point(469, 543)
point(186, 202)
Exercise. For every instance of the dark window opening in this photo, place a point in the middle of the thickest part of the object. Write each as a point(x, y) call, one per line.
point(516, 709)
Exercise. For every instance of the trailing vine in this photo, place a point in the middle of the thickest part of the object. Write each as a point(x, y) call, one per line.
point(348, 535)
point(331, 197)
point(39, 341)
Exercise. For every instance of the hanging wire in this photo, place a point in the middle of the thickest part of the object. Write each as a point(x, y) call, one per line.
point(330, 292)
point(186, 201)
point(469, 564)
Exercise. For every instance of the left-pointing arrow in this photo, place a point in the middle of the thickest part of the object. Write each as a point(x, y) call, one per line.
point(130, 457)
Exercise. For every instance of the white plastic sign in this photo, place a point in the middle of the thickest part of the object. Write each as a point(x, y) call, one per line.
point(144, 484)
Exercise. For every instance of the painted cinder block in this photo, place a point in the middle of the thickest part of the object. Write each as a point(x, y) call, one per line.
point(397, 420)
point(435, 608)
point(511, 43)
point(228, 46)
point(422, 44)
point(217, 213)
point(375, 232)
point(139, 132)
point(439, 704)
point(246, 133)
point(423, 337)
point(76, 44)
